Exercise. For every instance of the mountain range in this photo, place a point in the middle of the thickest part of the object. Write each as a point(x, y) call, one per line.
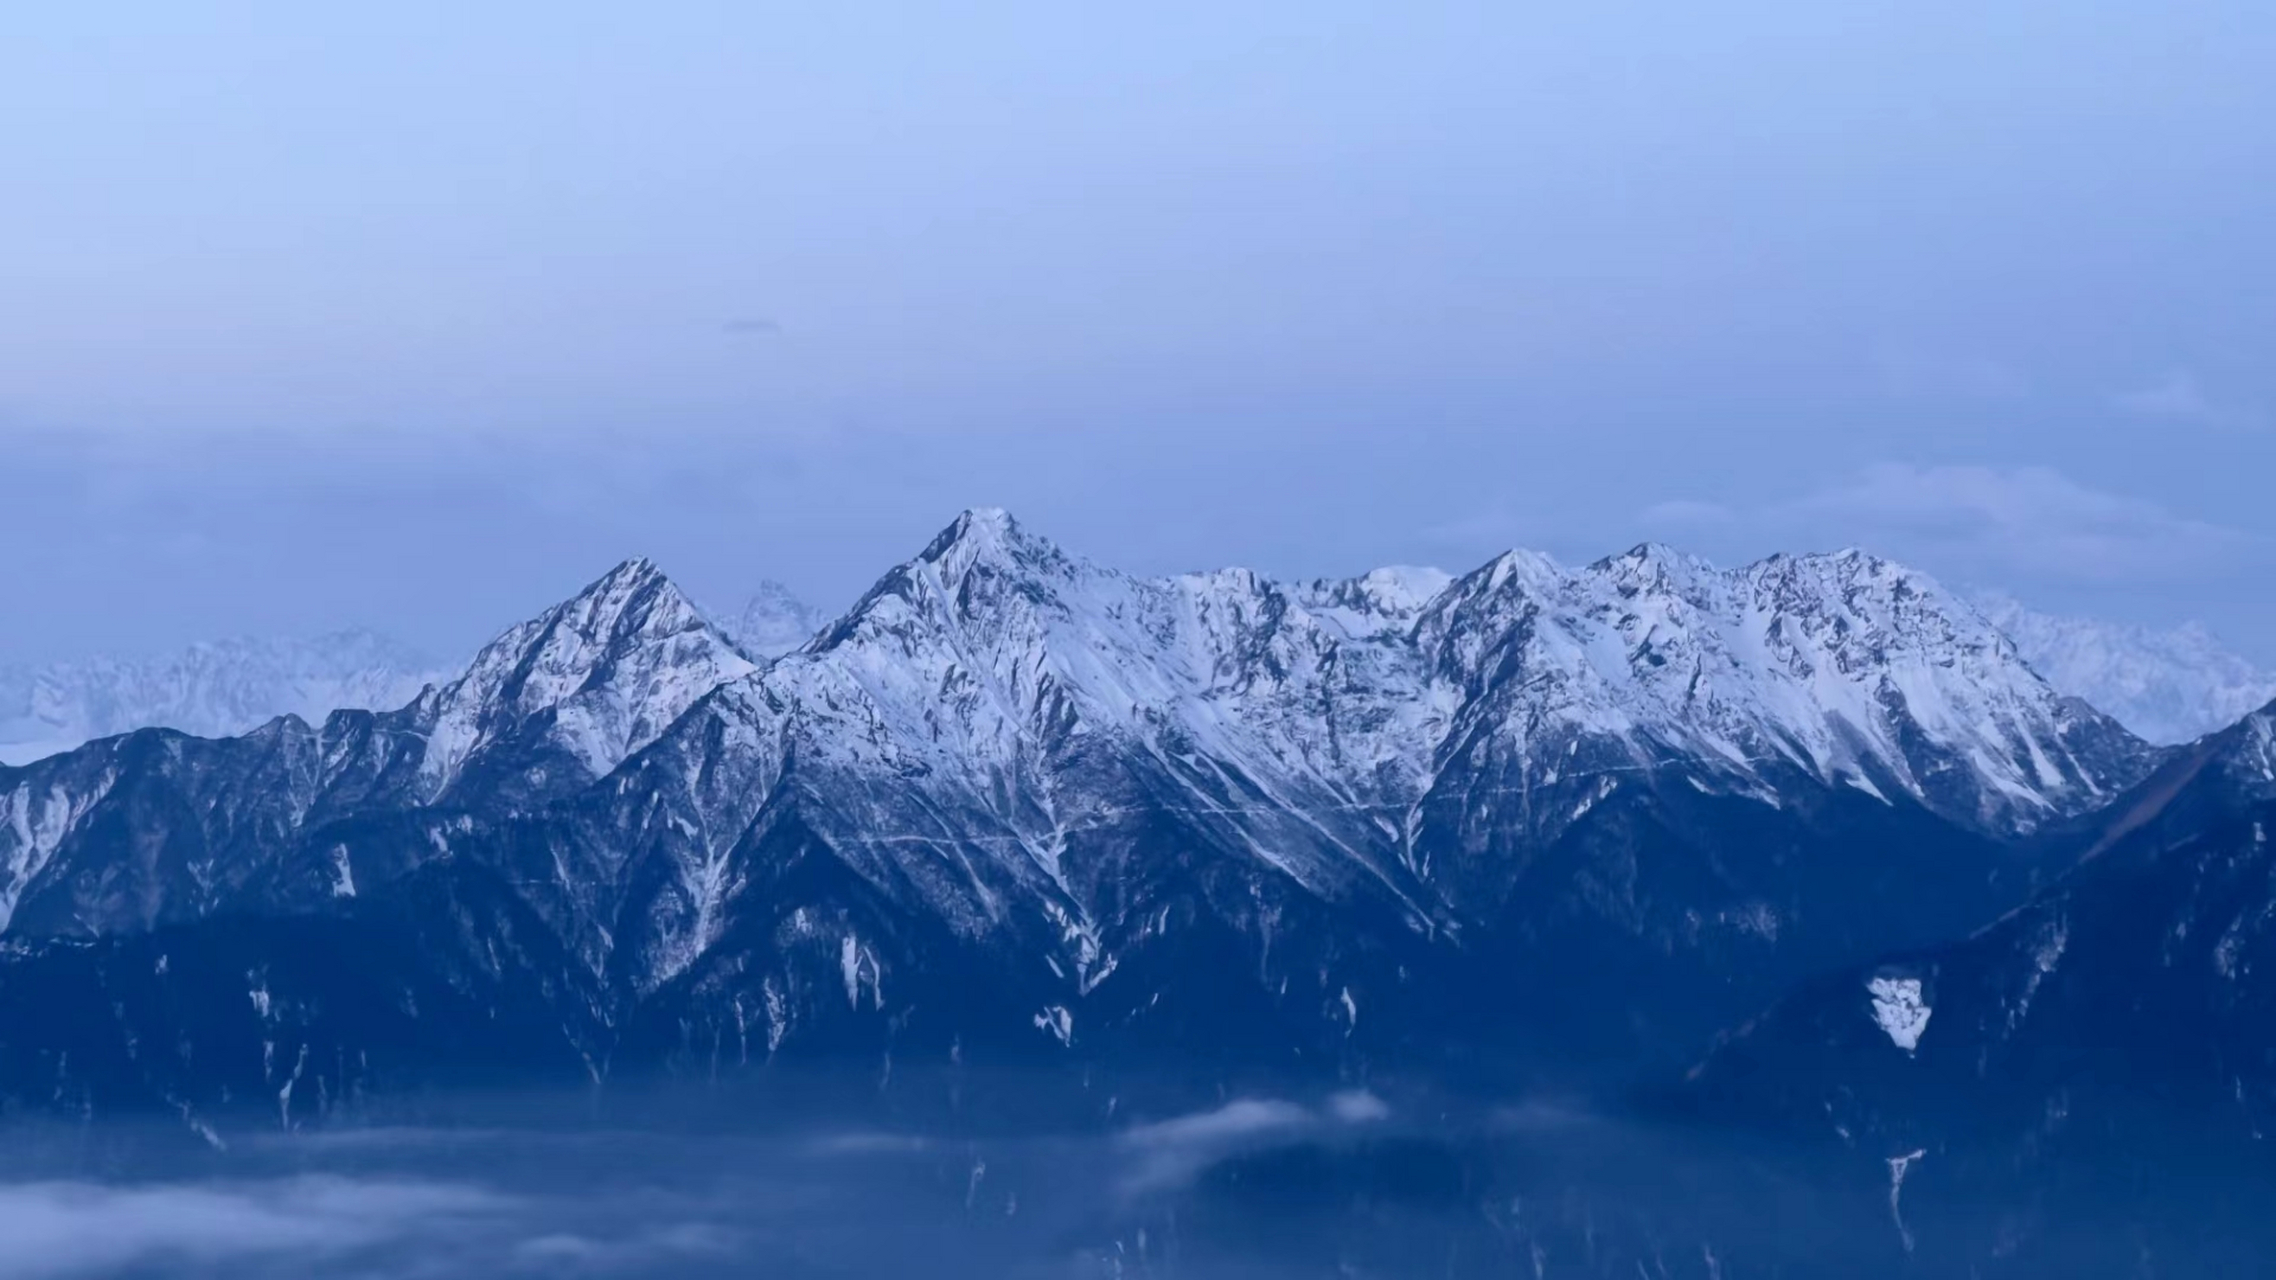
point(211, 690)
point(1809, 850)
point(1014, 802)
point(2169, 686)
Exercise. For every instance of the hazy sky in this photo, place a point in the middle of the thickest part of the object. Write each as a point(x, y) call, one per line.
point(420, 315)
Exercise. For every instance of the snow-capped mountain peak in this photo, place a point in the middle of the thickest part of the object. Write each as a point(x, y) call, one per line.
point(974, 526)
point(547, 708)
point(994, 644)
point(1844, 664)
point(605, 671)
point(997, 729)
point(1654, 566)
point(1011, 784)
point(987, 541)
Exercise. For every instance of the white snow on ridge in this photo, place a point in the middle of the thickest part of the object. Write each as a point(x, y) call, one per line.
point(1829, 661)
point(613, 667)
point(965, 733)
point(995, 701)
point(1845, 665)
point(1306, 723)
point(1339, 689)
point(996, 640)
point(2254, 761)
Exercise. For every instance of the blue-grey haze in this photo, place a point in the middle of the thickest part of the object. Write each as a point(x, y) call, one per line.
point(418, 315)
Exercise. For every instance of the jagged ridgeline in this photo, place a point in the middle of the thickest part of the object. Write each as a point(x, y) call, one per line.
point(1016, 805)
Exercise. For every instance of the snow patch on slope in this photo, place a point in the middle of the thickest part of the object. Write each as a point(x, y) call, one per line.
point(1901, 1009)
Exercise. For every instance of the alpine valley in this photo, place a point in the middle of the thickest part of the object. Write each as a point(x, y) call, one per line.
point(1548, 829)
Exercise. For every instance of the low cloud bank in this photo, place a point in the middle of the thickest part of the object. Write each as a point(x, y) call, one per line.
point(1168, 1152)
point(68, 1229)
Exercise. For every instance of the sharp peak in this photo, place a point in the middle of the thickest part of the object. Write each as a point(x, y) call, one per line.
point(626, 578)
point(976, 523)
point(622, 589)
point(1653, 549)
point(1657, 554)
point(630, 604)
point(1526, 557)
point(1530, 570)
point(634, 569)
point(996, 517)
point(988, 538)
point(988, 534)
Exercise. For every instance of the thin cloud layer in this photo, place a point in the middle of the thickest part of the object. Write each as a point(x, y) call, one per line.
point(1681, 513)
point(1169, 1152)
point(2179, 397)
point(2002, 522)
point(2033, 520)
point(1916, 373)
point(56, 1230)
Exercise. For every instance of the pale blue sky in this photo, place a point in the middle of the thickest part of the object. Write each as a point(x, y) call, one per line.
point(419, 315)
